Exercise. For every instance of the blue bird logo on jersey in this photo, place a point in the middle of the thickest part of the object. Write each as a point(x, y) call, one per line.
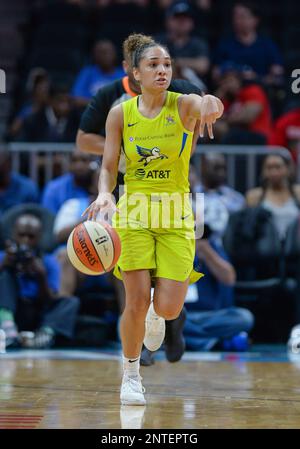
point(149, 155)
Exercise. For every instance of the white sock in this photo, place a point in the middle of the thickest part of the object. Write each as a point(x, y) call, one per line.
point(131, 366)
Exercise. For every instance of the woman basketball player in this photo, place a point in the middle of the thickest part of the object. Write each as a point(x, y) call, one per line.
point(91, 139)
point(156, 130)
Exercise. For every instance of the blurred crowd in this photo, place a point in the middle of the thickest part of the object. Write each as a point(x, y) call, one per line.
point(227, 48)
point(249, 250)
point(249, 253)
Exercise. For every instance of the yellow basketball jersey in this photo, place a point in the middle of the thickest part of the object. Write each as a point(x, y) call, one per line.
point(157, 150)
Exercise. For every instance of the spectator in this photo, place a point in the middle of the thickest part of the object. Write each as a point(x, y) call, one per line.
point(212, 319)
point(56, 122)
point(29, 283)
point(190, 53)
point(74, 184)
point(37, 88)
point(94, 76)
point(278, 193)
point(286, 132)
point(248, 48)
point(14, 188)
point(219, 199)
point(247, 118)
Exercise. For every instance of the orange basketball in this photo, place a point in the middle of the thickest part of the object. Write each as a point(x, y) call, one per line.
point(94, 247)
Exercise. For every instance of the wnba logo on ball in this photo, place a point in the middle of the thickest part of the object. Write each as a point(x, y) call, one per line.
point(2, 82)
point(101, 240)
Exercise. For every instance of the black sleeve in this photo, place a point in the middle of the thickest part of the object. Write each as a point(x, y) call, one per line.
point(94, 116)
point(184, 87)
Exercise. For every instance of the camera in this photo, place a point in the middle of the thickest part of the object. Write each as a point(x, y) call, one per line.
point(24, 254)
point(19, 256)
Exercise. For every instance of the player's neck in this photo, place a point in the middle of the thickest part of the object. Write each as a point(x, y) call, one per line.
point(150, 102)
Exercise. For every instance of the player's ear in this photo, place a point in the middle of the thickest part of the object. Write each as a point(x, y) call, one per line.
point(136, 74)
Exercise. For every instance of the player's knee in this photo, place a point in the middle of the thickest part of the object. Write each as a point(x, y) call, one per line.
point(138, 305)
point(167, 312)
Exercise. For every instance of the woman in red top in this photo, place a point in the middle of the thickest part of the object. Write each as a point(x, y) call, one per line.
point(246, 107)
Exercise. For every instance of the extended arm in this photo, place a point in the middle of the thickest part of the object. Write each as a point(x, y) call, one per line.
point(206, 109)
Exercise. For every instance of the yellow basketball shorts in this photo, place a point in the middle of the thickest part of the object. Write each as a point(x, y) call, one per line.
point(165, 252)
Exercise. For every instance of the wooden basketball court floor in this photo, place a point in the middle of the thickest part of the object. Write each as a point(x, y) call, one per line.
point(80, 389)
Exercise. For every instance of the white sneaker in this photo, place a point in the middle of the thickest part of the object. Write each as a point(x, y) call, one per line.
point(155, 330)
point(132, 391)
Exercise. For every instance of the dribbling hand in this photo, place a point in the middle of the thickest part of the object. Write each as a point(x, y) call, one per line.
point(104, 203)
point(211, 109)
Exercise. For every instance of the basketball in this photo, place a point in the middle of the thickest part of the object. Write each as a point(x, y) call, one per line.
point(93, 247)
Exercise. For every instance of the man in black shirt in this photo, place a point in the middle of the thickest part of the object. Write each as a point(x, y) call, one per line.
point(91, 139)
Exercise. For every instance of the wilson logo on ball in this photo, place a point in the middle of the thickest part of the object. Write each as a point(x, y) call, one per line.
point(85, 249)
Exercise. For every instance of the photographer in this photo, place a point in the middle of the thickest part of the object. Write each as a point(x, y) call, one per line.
point(29, 282)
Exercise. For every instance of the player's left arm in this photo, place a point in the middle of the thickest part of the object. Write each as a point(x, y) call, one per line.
point(206, 109)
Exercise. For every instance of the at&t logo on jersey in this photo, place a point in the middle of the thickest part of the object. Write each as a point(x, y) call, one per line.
point(140, 173)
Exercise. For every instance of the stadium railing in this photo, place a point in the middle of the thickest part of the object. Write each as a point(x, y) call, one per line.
point(242, 160)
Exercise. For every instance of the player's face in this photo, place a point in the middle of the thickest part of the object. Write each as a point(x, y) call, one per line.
point(155, 69)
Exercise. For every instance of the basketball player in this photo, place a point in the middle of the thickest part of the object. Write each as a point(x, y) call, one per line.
point(156, 129)
point(91, 138)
